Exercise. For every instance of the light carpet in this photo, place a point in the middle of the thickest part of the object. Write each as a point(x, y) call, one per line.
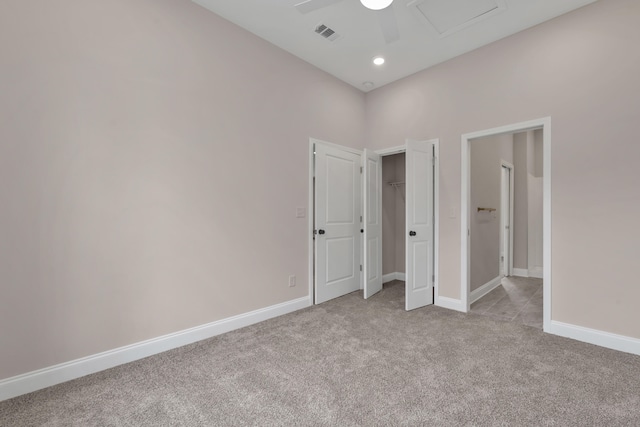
point(355, 362)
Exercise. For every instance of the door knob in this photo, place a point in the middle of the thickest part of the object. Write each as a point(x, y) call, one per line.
point(320, 231)
point(412, 233)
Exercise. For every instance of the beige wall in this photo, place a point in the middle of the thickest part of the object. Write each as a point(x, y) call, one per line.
point(520, 201)
point(393, 214)
point(581, 69)
point(528, 198)
point(486, 157)
point(152, 156)
point(538, 160)
point(535, 252)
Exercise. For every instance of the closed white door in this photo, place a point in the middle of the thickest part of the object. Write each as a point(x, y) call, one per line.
point(419, 224)
point(372, 223)
point(337, 222)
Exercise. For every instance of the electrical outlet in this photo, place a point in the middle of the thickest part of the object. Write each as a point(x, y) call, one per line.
point(292, 281)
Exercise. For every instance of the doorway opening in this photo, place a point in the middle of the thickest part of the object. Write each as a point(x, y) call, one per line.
point(506, 214)
point(393, 217)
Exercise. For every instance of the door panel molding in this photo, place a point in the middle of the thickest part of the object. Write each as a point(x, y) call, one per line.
point(336, 215)
point(420, 224)
point(372, 223)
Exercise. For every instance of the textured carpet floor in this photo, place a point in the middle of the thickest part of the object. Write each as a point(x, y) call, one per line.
point(355, 362)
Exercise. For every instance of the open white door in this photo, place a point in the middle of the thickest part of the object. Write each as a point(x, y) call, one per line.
point(419, 237)
point(506, 215)
point(337, 222)
point(372, 223)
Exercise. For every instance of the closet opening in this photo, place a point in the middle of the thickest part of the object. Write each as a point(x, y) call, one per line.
point(393, 218)
point(410, 221)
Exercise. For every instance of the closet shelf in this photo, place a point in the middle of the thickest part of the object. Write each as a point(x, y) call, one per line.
point(487, 209)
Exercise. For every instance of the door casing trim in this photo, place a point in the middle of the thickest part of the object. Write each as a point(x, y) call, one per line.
point(544, 124)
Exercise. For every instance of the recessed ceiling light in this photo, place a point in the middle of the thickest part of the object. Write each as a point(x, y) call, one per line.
point(378, 60)
point(376, 4)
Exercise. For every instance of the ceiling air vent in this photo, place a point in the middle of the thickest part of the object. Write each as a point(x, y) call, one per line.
point(327, 32)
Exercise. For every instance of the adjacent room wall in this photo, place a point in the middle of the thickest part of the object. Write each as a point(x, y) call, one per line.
point(520, 202)
point(486, 169)
point(528, 203)
point(152, 156)
point(581, 70)
point(535, 206)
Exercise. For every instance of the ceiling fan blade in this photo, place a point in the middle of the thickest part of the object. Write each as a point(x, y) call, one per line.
point(311, 5)
point(388, 24)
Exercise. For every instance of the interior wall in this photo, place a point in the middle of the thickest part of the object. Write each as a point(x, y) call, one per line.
point(528, 202)
point(152, 156)
point(393, 214)
point(486, 168)
point(520, 202)
point(535, 250)
point(581, 70)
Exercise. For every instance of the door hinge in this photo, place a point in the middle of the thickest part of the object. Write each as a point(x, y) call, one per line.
point(360, 169)
point(360, 267)
point(360, 218)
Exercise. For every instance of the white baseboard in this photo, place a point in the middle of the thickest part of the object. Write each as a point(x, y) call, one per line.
point(520, 272)
point(536, 272)
point(393, 276)
point(596, 337)
point(476, 294)
point(450, 303)
point(36, 380)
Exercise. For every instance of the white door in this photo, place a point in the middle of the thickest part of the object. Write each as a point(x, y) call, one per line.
point(372, 223)
point(505, 222)
point(337, 222)
point(419, 212)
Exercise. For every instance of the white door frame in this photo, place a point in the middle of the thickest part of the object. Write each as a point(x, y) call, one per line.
point(465, 203)
point(509, 253)
point(311, 210)
point(436, 207)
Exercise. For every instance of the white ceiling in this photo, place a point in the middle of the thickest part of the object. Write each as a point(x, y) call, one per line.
point(450, 28)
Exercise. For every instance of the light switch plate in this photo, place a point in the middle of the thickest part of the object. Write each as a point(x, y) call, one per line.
point(300, 212)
